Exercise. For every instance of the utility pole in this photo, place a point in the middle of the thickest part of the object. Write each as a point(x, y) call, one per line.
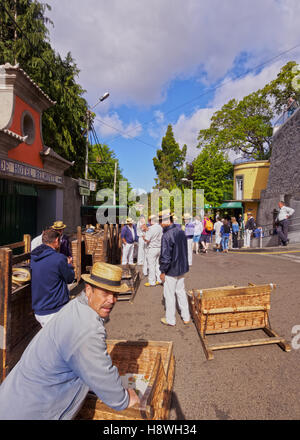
point(115, 182)
point(86, 170)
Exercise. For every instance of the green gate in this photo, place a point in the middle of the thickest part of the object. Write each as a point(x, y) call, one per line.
point(18, 211)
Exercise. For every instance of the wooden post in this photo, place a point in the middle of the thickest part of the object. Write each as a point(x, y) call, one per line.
point(79, 246)
point(27, 243)
point(105, 243)
point(5, 298)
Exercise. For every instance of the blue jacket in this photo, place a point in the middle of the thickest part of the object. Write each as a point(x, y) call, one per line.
point(173, 258)
point(65, 359)
point(50, 275)
point(126, 233)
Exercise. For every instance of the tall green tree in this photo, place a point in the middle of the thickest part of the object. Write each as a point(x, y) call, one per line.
point(242, 126)
point(212, 171)
point(284, 86)
point(245, 126)
point(28, 44)
point(169, 162)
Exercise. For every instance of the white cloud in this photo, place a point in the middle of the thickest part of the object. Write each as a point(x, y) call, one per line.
point(111, 125)
point(135, 48)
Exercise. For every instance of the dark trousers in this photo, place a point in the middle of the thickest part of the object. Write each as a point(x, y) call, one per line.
point(235, 239)
point(282, 230)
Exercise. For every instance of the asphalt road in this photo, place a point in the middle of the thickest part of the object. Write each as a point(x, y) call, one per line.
point(251, 383)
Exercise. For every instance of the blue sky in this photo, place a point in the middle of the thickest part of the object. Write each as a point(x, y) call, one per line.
point(160, 60)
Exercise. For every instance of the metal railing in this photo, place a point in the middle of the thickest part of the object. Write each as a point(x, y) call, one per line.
point(285, 116)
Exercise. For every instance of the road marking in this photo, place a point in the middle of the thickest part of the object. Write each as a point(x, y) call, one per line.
point(267, 253)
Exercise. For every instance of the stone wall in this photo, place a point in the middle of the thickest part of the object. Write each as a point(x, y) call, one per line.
point(283, 181)
point(72, 204)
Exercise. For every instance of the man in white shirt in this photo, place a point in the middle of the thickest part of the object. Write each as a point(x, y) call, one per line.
point(282, 222)
point(153, 241)
point(217, 228)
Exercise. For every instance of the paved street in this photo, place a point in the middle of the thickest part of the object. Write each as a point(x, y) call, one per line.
point(243, 383)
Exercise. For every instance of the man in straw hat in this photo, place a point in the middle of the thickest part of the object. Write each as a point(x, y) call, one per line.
point(65, 245)
point(128, 237)
point(69, 357)
point(173, 265)
point(153, 241)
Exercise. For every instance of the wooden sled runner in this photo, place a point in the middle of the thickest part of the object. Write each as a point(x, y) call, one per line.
point(232, 309)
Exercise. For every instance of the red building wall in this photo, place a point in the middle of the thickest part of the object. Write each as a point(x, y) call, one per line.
point(29, 154)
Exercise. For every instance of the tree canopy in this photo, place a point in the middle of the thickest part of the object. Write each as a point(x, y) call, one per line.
point(212, 171)
point(245, 126)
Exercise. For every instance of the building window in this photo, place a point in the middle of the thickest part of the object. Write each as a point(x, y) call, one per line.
point(28, 127)
point(239, 186)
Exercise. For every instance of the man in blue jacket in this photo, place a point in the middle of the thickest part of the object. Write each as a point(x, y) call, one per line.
point(51, 274)
point(129, 237)
point(173, 265)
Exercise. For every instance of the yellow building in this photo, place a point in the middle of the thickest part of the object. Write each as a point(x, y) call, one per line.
point(250, 178)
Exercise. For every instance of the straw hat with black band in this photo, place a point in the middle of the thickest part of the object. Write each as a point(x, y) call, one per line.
point(106, 276)
point(58, 225)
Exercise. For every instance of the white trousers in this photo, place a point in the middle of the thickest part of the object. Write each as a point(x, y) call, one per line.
point(190, 250)
point(247, 238)
point(141, 251)
point(153, 266)
point(127, 255)
point(175, 286)
point(43, 319)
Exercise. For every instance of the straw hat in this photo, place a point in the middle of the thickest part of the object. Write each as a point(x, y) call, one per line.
point(129, 220)
point(106, 276)
point(166, 213)
point(20, 275)
point(58, 225)
point(187, 216)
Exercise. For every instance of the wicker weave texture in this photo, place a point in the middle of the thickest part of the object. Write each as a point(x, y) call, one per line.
point(204, 310)
point(138, 358)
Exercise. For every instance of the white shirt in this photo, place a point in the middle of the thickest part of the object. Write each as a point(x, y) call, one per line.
point(198, 227)
point(217, 227)
point(285, 212)
point(37, 241)
point(140, 232)
point(154, 235)
point(132, 231)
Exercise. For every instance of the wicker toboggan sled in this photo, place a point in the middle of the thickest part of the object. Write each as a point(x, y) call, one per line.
point(231, 309)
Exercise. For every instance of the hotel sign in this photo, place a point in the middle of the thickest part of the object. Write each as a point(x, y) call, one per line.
point(18, 169)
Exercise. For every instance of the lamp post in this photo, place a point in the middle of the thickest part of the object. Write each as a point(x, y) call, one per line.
point(88, 124)
point(184, 179)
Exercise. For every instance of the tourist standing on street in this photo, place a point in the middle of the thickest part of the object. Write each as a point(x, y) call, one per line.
point(51, 272)
point(225, 234)
point(206, 233)
point(197, 233)
point(173, 266)
point(189, 228)
point(129, 237)
point(153, 243)
point(282, 222)
point(141, 230)
point(249, 228)
point(217, 228)
point(68, 357)
point(65, 245)
point(235, 232)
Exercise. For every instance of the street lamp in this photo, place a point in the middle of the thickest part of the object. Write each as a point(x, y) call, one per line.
point(88, 123)
point(184, 179)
